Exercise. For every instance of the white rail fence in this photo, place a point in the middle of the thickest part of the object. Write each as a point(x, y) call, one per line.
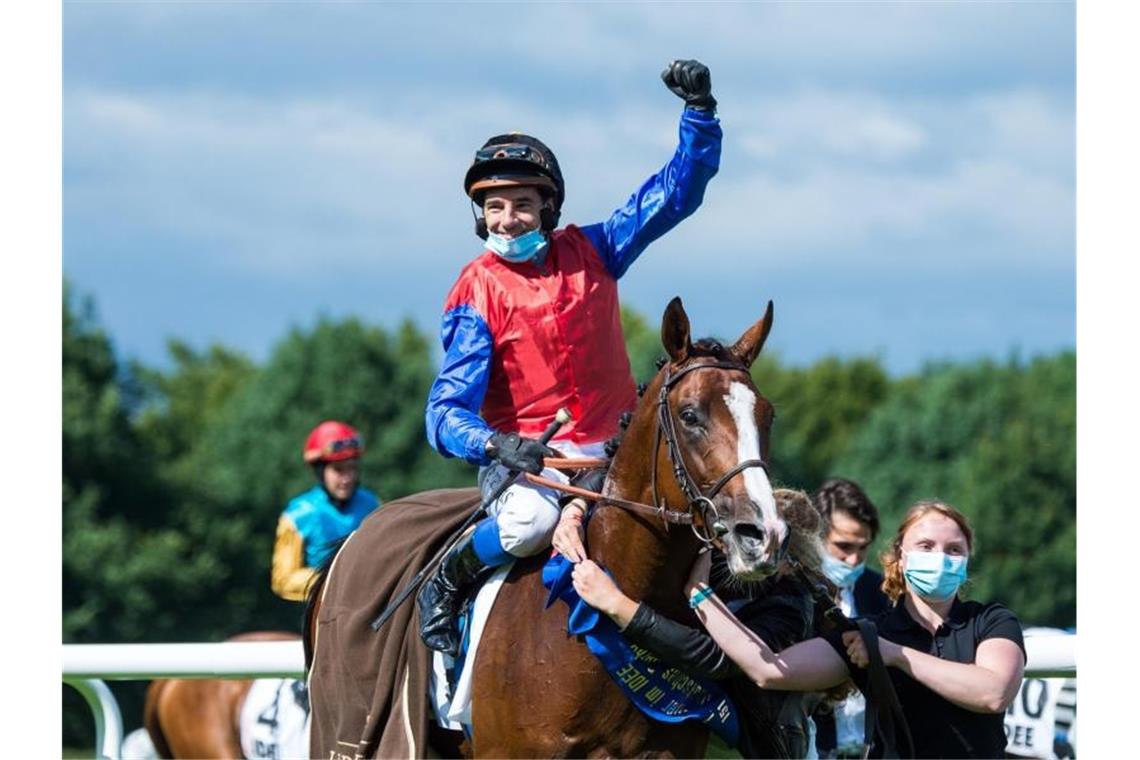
point(86, 667)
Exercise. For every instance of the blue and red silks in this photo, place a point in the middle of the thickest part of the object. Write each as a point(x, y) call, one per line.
point(662, 692)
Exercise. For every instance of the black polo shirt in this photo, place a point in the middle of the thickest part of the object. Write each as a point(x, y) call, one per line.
point(939, 727)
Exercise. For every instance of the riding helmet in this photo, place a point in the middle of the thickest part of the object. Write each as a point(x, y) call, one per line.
point(332, 441)
point(515, 160)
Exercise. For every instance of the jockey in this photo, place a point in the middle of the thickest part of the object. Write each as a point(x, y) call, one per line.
point(314, 521)
point(533, 324)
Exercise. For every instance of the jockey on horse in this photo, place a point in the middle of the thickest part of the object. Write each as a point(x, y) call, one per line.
point(313, 522)
point(533, 324)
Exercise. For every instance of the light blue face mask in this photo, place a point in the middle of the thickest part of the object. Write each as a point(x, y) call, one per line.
point(523, 248)
point(935, 576)
point(840, 573)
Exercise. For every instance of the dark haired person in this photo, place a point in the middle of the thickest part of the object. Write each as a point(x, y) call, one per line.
point(533, 324)
point(956, 665)
point(853, 525)
point(314, 521)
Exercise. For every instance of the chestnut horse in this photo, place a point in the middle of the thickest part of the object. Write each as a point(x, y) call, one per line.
point(696, 447)
point(538, 691)
point(198, 717)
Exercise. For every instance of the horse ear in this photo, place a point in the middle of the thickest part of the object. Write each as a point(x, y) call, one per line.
point(748, 347)
point(675, 331)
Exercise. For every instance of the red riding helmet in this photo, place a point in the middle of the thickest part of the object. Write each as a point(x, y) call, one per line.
point(332, 441)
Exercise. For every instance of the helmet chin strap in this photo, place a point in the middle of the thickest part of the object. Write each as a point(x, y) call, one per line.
point(480, 224)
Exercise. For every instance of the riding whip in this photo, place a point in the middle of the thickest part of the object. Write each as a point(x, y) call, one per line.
point(560, 418)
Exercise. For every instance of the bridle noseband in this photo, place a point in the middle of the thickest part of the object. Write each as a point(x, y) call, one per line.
point(699, 502)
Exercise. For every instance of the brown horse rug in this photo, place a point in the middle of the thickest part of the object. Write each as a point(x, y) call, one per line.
point(370, 689)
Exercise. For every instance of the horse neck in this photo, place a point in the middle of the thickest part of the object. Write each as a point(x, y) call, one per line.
point(649, 560)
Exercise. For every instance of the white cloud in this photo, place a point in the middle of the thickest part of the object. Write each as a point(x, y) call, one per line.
point(272, 182)
point(894, 219)
point(823, 125)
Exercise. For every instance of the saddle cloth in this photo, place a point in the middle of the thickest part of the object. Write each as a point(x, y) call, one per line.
point(452, 709)
point(274, 721)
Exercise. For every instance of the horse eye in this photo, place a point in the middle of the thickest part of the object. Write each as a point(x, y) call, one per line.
point(689, 417)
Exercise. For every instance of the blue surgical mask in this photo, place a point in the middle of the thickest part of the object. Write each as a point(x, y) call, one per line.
point(840, 573)
point(935, 576)
point(523, 248)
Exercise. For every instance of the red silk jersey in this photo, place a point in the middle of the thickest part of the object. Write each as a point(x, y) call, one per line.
point(556, 340)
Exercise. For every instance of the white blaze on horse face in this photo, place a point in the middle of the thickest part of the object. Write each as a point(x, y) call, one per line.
point(741, 402)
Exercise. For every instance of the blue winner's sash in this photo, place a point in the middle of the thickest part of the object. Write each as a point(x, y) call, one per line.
point(660, 691)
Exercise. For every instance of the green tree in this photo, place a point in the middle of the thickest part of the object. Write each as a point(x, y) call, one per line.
point(642, 343)
point(247, 463)
point(819, 409)
point(181, 404)
point(110, 494)
point(117, 583)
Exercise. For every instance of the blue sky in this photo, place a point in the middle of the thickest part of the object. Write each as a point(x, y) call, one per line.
point(899, 178)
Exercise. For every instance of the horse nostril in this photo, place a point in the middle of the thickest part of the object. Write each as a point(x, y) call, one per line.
point(749, 532)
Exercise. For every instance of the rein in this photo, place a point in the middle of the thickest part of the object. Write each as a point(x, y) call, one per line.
point(884, 717)
point(666, 430)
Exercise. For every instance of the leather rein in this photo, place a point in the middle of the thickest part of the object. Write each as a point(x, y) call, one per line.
point(698, 501)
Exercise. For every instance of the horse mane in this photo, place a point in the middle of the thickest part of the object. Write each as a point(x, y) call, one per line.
point(712, 348)
point(705, 347)
point(807, 528)
point(312, 601)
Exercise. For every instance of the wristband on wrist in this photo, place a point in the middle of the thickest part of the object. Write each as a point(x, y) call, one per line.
point(699, 596)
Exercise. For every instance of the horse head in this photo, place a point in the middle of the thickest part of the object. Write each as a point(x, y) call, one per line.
point(715, 429)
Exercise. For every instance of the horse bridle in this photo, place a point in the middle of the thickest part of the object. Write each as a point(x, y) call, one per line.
point(699, 502)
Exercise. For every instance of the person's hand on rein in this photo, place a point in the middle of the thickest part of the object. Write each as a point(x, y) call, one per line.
point(856, 648)
point(568, 536)
point(518, 453)
point(690, 80)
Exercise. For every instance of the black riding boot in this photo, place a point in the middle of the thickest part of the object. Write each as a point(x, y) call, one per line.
point(442, 595)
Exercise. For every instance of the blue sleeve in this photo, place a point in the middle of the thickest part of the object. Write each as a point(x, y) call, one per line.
point(664, 199)
point(454, 427)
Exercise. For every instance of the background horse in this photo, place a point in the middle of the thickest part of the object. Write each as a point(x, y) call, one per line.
point(198, 717)
point(696, 446)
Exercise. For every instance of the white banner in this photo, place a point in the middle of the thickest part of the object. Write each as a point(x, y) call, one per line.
point(1030, 720)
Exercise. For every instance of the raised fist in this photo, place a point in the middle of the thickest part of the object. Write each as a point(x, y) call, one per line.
point(691, 82)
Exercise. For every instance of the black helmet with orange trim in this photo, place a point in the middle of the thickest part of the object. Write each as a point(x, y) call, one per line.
point(515, 160)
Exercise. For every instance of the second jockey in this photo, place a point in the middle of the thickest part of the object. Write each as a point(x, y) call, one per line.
point(533, 324)
point(314, 521)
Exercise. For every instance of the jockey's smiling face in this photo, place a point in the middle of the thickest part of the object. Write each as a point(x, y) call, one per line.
point(513, 211)
point(341, 478)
